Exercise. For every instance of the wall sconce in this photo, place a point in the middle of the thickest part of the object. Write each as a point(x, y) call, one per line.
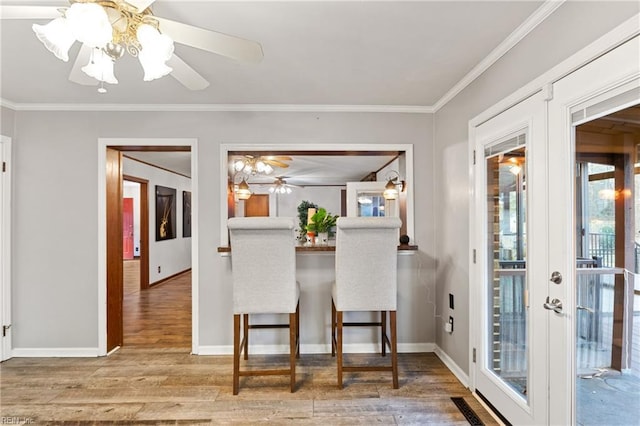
point(243, 192)
point(391, 188)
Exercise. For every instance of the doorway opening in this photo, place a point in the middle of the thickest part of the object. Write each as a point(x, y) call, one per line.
point(174, 256)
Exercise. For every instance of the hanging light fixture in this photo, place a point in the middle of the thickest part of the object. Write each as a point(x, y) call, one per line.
point(243, 192)
point(391, 188)
point(110, 27)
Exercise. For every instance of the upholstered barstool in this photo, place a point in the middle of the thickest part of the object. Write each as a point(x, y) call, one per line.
point(263, 262)
point(366, 280)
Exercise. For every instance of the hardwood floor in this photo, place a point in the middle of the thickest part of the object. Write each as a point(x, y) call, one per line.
point(153, 379)
point(137, 385)
point(159, 316)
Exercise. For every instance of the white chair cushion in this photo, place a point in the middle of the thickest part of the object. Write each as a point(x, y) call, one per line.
point(366, 264)
point(263, 263)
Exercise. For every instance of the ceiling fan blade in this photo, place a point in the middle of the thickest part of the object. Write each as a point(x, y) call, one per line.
point(278, 157)
point(276, 163)
point(141, 5)
point(212, 41)
point(77, 75)
point(186, 75)
point(29, 12)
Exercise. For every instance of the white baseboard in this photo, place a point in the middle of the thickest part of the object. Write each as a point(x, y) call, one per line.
point(54, 352)
point(364, 348)
point(451, 365)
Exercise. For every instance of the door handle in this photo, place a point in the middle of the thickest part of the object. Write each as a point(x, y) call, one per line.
point(555, 305)
point(556, 277)
point(584, 308)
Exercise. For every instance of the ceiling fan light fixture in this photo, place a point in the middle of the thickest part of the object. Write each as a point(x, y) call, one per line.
point(156, 50)
point(100, 67)
point(90, 24)
point(56, 36)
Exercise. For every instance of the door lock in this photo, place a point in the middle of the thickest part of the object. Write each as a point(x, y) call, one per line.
point(555, 305)
point(556, 277)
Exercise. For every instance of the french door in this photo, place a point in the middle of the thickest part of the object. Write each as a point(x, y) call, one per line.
point(540, 291)
point(593, 165)
point(510, 270)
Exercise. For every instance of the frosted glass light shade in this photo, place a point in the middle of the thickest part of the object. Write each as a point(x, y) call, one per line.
point(90, 24)
point(56, 36)
point(100, 67)
point(156, 50)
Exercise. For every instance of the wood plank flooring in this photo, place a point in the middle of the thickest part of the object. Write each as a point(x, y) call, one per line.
point(153, 379)
point(159, 316)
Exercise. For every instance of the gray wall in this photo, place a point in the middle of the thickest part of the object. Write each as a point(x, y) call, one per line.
point(573, 26)
point(6, 121)
point(55, 208)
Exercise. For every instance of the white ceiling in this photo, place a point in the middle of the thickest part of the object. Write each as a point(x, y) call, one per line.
point(357, 54)
point(391, 53)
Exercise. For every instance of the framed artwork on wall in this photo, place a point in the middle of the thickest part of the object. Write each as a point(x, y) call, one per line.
point(186, 214)
point(165, 213)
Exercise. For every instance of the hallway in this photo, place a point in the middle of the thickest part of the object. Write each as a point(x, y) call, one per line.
point(157, 317)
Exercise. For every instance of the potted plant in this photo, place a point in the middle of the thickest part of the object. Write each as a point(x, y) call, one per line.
point(303, 211)
point(321, 223)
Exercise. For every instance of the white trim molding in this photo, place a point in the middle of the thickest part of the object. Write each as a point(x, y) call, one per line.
point(451, 365)
point(55, 352)
point(404, 109)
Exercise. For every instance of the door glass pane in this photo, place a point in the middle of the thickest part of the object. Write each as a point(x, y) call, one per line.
point(607, 288)
point(507, 247)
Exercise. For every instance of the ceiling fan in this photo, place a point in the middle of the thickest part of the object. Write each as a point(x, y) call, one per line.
point(253, 164)
point(280, 186)
point(108, 28)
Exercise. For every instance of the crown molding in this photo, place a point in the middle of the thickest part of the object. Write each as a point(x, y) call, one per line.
point(542, 13)
point(406, 109)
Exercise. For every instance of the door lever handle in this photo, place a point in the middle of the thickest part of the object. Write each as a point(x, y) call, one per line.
point(584, 308)
point(555, 305)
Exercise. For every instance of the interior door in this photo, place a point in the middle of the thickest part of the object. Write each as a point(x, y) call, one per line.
point(605, 86)
point(127, 228)
point(510, 239)
point(5, 244)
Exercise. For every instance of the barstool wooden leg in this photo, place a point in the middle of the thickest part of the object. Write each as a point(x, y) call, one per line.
point(333, 328)
point(293, 331)
point(383, 331)
point(339, 347)
point(298, 330)
point(246, 336)
point(236, 353)
point(394, 350)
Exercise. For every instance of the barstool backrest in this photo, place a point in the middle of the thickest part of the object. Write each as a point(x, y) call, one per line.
point(367, 263)
point(263, 262)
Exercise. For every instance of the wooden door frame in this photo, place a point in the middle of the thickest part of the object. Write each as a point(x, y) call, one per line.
point(114, 285)
point(141, 144)
point(144, 229)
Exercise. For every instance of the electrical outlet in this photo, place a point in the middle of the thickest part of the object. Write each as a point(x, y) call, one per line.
point(159, 269)
point(450, 301)
point(451, 324)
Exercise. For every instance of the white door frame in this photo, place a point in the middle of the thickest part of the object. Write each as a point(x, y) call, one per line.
point(624, 32)
point(5, 250)
point(103, 143)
